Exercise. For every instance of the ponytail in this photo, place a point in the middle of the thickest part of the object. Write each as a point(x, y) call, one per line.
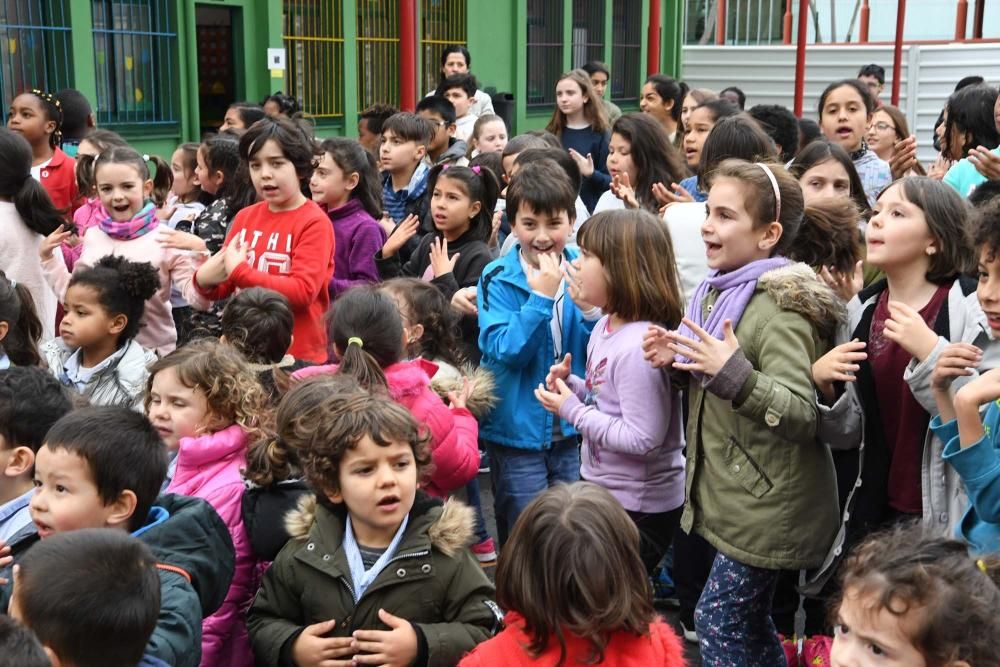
point(990, 566)
point(24, 332)
point(162, 181)
point(270, 460)
point(30, 199)
point(362, 366)
point(829, 235)
point(367, 333)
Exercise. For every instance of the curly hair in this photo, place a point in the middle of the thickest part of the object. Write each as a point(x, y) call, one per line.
point(232, 390)
point(422, 303)
point(987, 228)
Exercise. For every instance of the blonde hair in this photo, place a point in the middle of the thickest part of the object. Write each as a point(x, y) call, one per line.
point(593, 107)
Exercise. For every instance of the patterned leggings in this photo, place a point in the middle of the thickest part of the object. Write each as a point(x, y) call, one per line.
point(733, 617)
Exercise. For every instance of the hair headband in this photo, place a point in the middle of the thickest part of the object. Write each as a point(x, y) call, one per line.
point(774, 185)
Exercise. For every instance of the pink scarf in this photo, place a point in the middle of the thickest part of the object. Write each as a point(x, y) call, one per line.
point(143, 223)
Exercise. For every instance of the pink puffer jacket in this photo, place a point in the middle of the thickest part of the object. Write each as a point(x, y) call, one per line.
point(454, 431)
point(208, 467)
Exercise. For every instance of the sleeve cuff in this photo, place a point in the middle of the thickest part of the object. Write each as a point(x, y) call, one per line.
point(423, 652)
point(728, 382)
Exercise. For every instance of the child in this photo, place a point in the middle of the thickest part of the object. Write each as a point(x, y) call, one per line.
point(571, 581)
point(377, 570)
point(20, 329)
point(405, 137)
point(599, 76)
point(346, 184)
point(845, 111)
point(367, 336)
point(627, 270)
point(370, 123)
point(37, 116)
point(78, 119)
point(280, 104)
point(824, 170)
point(489, 135)
point(26, 216)
point(205, 403)
point(692, 100)
point(703, 120)
point(241, 115)
point(102, 468)
point(639, 156)
point(97, 353)
point(462, 202)
point(30, 402)
point(753, 329)
point(460, 90)
point(569, 167)
point(663, 99)
point(258, 322)
point(91, 596)
point(185, 200)
point(20, 646)
point(580, 124)
point(781, 125)
point(91, 209)
point(913, 599)
point(527, 322)
point(124, 186)
point(980, 165)
point(285, 241)
point(443, 147)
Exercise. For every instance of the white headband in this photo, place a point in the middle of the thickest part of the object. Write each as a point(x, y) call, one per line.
point(777, 192)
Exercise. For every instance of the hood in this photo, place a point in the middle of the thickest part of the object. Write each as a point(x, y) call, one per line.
point(456, 150)
point(451, 525)
point(797, 288)
point(483, 396)
point(409, 378)
point(213, 447)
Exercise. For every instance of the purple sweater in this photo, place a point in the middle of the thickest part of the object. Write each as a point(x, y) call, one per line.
point(357, 237)
point(630, 420)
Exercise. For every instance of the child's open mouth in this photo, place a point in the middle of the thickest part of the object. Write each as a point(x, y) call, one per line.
point(269, 189)
point(388, 503)
point(120, 208)
point(712, 249)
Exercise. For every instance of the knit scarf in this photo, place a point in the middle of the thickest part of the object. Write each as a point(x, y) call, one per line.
point(735, 289)
point(143, 223)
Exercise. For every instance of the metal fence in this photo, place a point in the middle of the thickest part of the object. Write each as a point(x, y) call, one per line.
point(544, 48)
point(135, 57)
point(378, 52)
point(626, 50)
point(588, 31)
point(442, 23)
point(35, 47)
point(747, 21)
point(313, 31)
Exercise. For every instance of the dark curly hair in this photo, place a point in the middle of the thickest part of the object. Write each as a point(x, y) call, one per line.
point(987, 228)
point(122, 287)
point(422, 303)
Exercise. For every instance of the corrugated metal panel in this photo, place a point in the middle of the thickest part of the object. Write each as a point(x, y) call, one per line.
point(767, 75)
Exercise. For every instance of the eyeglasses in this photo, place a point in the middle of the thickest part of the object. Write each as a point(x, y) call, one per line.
point(438, 123)
point(882, 127)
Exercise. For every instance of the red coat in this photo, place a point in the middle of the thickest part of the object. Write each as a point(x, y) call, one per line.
point(661, 648)
point(454, 431)
point(59, 180)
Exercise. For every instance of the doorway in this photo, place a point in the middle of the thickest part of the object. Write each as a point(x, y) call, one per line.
point(218, 84)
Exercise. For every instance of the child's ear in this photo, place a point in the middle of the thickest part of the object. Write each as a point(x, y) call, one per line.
point(53, 658)
point(335, 497)
point(50, 126)
point(353, 180)
point(452, 129)
point(474, 210)
point(117, 324)
point(4, 329)
point(147, 188)
point(21, 461)
point(122, 508)
point(772, 234)
point(421, 151)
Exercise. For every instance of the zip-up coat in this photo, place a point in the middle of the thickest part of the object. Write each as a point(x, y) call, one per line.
point(122, 383)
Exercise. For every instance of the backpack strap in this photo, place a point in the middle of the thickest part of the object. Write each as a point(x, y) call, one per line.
point(175, 570)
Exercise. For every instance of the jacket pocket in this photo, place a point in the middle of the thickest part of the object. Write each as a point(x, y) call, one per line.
point(745, 470)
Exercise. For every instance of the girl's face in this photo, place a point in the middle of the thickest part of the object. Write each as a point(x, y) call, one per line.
point(988, 289)
point(87, 148)
point(122, 190)
point(329, 185)
point(28, 118)
point(87, 323)
point(826, 179)
point(492, 137)
point(176, 410)
point(185, 179)
point(690, 104)
point(731, 241)
point(232, 120)
point(452, 209)
point(699, 126)
point(866, 638)
point(898, 234)
point(569, 97)
point(650, 102)
point(844, 118)
point(881, 134)
point(274, 177)
point(210, 183)
point(620, 159)
point(953, 144)
point(593, 279)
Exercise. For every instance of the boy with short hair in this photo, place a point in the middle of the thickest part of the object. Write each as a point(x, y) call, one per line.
point(102, 467)
point(528, 321)
point(873, 76)
point(19, 647)
point(91, 596)
point(370, 122)
point(460, 90)
point(443, 148)
point(405, 137)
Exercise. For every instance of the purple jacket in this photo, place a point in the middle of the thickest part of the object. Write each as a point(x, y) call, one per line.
point(208, 467)
point(357, 237)
point(630, 419)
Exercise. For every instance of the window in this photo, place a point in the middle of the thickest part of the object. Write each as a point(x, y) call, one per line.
point(378, 52)
point(35, 48)
point(626, 50)
point(544, 51)
point(135, 56)
point(588, 31)
point(442, 23)
point(314, 39)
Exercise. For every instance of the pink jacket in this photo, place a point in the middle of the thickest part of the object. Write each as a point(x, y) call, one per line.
point(454, 431)
point(85, 217)
point(208, 467)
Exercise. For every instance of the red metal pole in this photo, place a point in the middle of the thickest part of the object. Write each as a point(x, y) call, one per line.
point(800, 56)
point(407, 55)
point(977, 20)
point(897, 56)
point(786, 24)
point(653, 55)
point(720, 23)
point(961, 16)
point(866, 14)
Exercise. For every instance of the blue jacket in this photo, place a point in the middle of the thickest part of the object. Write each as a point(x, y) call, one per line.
point(979, 467)
point(515, 337)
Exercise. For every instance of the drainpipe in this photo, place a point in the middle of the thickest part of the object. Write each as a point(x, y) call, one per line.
point(961, 15)
point(866, 13)
point(653, 54)
point(786, 24)
point(720, 23)
point(407, 55)
point(800, 56)
point(897, 57)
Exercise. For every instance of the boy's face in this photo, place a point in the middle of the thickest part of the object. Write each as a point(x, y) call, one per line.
point(66, 496)
point(366, 137)
point(874, 87)
point(988, 289)
point(599, 80)
point(541, 233)
point(397, 154)
point(443, 131)
point(461, 100)
point(378, 484)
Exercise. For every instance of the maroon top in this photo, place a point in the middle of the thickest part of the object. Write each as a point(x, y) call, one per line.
point(904, 421)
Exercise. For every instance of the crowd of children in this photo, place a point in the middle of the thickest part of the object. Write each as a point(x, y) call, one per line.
point(246, 393)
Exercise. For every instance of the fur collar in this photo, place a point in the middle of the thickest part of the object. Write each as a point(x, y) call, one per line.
point(797, 288)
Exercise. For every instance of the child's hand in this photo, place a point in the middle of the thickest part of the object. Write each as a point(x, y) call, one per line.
point(213, 271)
point(656, 347)
point(234, 255)
point(461, 399)
point(171, 238)
point(400, 235)
point(546, 278)
point(622, 188)
point(986, 162)
point(956, 360)
point(670, 196)
point(571, 272)
point(312, 648)
point(940, 167)
point(441, 264)
point(392, 648)
point(464, 301)
point(708, 354)
point(387, 224)
point(553, 400)
point(559, 371)
point(844, 285)
point(53, 241)
point(904, 157)
point(586, 164)
point(838, 365)
point(907, 328)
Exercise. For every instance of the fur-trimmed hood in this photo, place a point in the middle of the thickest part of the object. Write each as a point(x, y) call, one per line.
point(797, 288)
point(483, 396)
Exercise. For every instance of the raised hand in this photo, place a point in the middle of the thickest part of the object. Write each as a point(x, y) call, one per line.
point(904, 157)
point(586, 164)
point(956, 360)
point(838, 365)
point(441, 264)
point(670, 195)
point(574, 286)
point(400, 235)
point(656, 347)
point(53, 241)
point(559, 371)
point(907, 328)
point(546, 278)
point(986, 162)
point(234, 255)
point(844, 285)
point(706, 355)
point(460, 399)
point(171, 238)
point(622, 189)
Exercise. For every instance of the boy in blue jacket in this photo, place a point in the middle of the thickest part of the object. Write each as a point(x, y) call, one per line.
point(528, 321)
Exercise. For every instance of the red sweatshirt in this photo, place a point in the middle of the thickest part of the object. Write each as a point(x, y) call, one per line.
point(59, 180)
point(291, 252)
